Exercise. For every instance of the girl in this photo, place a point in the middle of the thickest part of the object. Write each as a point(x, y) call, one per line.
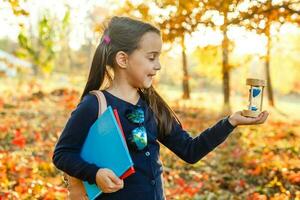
point(131, 49)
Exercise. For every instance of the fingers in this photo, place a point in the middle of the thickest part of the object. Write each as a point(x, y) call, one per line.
point(113, 183)
point(115, 179)
point(110, 186)
point(108, 181)
point(250, 120)
point(84, 198)
point(261, 118)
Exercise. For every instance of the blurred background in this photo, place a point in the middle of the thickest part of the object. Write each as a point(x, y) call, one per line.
point(210, 49)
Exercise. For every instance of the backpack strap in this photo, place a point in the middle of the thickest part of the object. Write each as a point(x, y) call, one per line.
point(101, 100)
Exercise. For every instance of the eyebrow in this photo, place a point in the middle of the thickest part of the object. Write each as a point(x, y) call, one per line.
point(155, 52)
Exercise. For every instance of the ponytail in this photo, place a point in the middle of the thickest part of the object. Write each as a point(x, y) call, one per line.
point(164, 115)
point(98, 70)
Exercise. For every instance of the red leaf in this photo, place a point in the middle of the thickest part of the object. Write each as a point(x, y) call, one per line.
point(19, 140)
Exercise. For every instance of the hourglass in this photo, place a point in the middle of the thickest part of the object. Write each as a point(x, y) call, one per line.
point(256, 92)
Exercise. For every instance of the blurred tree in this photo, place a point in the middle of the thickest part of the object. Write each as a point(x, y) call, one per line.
point(64, 56)
point(209, 58)
point(51, 37)
point(183, 19)
point(17, 7)
point(40, 49)
point(224, 14)
point(43, 47)
point(285, 60)
point(279, 12)
point(235, 13)
point(20, 12)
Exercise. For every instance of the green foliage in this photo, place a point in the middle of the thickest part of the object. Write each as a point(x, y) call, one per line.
point(41, 48)
point(17, 8)
point(40, 51)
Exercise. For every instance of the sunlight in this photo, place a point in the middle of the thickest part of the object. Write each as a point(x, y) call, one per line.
point(247, 42)
point(52, 57)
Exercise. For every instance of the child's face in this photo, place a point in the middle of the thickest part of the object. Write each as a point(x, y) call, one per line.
point(143, 63)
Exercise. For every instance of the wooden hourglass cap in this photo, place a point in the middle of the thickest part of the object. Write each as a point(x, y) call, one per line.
point(256, 82)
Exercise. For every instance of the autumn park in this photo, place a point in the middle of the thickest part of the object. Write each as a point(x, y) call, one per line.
point(210, 48)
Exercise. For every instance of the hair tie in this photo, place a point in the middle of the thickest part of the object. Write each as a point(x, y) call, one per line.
point(106, 39)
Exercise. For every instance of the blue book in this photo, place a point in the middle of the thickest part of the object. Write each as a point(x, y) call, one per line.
point(105, 147)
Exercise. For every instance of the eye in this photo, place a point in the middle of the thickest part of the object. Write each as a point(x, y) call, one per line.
point(152, 58)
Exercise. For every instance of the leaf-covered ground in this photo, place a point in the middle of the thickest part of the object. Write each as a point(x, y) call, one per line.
point(256, 162)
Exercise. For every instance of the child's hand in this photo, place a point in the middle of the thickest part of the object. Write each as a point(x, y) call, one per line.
point(108, 181)
point(238, 119)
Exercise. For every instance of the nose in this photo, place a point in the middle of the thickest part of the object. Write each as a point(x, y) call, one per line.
point(157, 66)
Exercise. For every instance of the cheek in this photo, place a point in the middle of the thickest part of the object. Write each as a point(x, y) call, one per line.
point(141, 67)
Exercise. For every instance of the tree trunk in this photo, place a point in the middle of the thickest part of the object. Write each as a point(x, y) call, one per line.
point(225, 72)
point(185, 80)
point(267, 68)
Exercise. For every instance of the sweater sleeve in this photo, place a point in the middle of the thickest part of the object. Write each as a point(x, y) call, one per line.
point(66, 156)
point(191, 149)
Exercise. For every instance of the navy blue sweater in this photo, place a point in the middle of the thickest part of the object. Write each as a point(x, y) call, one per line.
point(146, 183)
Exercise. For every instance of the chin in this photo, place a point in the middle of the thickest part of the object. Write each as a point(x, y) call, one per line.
point(146, 84)
point(146, 87)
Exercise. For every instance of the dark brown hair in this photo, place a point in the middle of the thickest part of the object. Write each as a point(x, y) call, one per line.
point(125, 34)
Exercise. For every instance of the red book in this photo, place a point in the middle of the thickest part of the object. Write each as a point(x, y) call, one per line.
point(131, 170)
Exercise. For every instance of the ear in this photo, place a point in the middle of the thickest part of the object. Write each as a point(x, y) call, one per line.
point(122, 59)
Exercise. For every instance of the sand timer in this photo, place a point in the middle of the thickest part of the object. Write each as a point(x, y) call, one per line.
point(256, 92)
